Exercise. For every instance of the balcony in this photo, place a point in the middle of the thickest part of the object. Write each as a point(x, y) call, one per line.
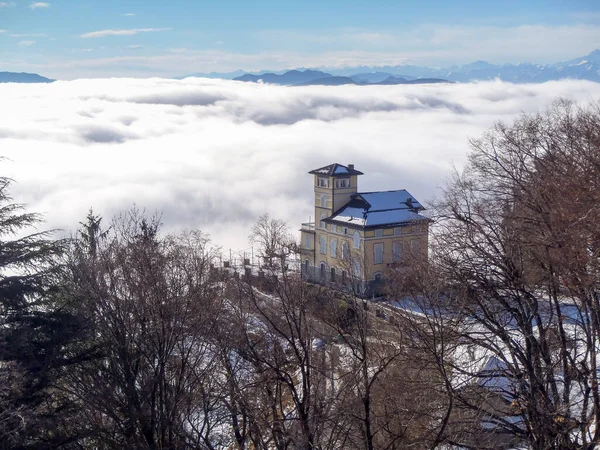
point(308, 226)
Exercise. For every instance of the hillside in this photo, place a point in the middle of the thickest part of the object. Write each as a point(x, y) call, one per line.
point(23, 77)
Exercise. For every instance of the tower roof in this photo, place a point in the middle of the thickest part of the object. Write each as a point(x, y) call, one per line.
point(336, 169)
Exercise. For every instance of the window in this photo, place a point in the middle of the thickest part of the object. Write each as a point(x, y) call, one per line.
point(323, 268)
point(333, 248)
point(345, 251)
point(323, 182)
point(345, 230)
point(396, 251)
point(356, 267)
point(378, 276)
point(333, 274)
point(323, 245)
point(306, 268)
point(322, 224)
point(415, 246)
point(397, 231)
point(378, 253)
point(307, 241)
point(356, 239)
point(344, 276)
point(323, 201)
point(378, 233)
point(342, 183)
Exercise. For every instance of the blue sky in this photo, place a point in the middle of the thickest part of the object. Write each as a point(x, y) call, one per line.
point(69, 39)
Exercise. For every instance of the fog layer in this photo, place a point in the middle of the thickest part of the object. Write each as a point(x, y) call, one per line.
point(214, 154)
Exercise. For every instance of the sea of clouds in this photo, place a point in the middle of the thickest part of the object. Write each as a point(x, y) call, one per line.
point(214, 154)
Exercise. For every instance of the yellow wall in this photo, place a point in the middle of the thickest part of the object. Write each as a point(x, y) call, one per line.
point(337, 261)
point(414, 233)
point(365, 254)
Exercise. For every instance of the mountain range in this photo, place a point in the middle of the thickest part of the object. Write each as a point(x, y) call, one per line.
point(316, 77)
point(584, 68)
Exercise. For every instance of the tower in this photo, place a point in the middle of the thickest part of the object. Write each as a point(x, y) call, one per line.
point(334, 185)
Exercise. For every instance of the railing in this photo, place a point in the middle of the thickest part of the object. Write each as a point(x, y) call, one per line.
point(308, 226)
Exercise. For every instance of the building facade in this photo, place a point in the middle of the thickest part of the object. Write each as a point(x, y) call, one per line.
point(358, 237)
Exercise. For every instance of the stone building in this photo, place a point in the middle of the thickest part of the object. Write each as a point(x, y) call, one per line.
point(358, 237)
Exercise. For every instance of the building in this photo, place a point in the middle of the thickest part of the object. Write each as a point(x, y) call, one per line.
point(358, 237)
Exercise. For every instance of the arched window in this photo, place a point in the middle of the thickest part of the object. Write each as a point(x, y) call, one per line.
point(396, 252)
point(378, 253)
point(415, 246)
point(308, 241)
point(333, 274)
point(345, 251)
point(333, 248)
point(357, 269)
point(356, 239)
point(323, 269)
point(323, 201)
point(322, 224)
point(378, 276)
point(322, 245)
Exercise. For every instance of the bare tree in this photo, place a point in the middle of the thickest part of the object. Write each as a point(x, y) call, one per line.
point(151, 303)
point(273, 240)
point(516, 246)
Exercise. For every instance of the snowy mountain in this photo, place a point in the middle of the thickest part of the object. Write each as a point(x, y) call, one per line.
point(584, 68)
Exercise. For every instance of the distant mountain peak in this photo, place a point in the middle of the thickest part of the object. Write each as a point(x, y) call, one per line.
point(585, 67)
point(23, 77)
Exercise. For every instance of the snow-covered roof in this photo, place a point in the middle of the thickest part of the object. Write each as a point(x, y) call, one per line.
point(376, 209)
point(336, 169)
point(390, 200)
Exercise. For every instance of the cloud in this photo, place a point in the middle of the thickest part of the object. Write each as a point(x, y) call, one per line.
point(26, 43)
point(38, 5)
point(128, 14)
point(135, 47)
point(128, 32)
point(2, 31)
point(20, 35)
point(6, 4)
point(215, 154)
point(432, 45)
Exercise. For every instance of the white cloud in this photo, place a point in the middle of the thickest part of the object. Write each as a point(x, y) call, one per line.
point(430, 45)
point(2, 31)
point(6, 4)
point(214, 154)
point(135, 47)
point(441, 45)
point(38, 5)
point(127, 32)
point(26, 43)
point(129, 14)
point(21, 35)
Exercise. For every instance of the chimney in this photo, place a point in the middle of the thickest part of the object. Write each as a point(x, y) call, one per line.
point(351, 166)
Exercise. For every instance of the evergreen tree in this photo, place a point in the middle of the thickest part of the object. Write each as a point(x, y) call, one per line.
point(37, 325)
